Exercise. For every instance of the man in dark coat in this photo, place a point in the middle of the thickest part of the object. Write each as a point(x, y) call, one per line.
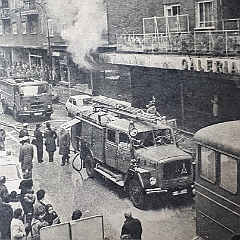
point(50, 143)
point(26, 156)
point(64, 145)
point(6, 215)
point(132, 227)
point(39, 142)
point(24, 131)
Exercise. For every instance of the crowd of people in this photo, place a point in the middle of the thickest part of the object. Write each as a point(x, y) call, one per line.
point(22, 216)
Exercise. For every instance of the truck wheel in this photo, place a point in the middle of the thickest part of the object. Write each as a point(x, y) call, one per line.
point(89, 164)
point(15, 114)
point(137, 194)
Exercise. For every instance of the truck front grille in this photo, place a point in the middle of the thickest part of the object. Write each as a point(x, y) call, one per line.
point(177, 169)
point(37, 106)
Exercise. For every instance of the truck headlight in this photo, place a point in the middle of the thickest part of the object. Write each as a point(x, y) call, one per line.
point(49, 106)
point(25, 108)
point(152, 181)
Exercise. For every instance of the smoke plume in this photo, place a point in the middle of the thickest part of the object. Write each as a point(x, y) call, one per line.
point(84, 23)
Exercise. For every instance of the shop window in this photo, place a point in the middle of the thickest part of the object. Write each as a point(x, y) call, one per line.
point(24, 27)
point(208, 164)
point(1, 28)
point(228, 173)
point(14, 28)
point(205, 14)
point(111, 135)
point(171, 10)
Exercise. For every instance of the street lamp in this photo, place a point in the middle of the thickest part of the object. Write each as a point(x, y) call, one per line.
point(49, 42)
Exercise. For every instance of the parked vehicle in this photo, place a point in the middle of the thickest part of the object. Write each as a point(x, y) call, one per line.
point(77, 104)
point(217, 181)
point(136, 151)
point(26, 97)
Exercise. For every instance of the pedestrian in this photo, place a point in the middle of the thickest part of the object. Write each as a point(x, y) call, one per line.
point(64, 145)
point(40, 199)
point(26, 156)
point(6, 215)
point(3, 188)
point(215, 108)
point(76, 215)
point(2, 138)
point(39, 142)
point(75, 136)
point(17, 227)
point(38, 222)
point(50, 143)
point(51, 216)
point(132, 227)
point(24, 131)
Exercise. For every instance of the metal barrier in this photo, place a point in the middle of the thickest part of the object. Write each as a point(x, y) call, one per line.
point(86, 229)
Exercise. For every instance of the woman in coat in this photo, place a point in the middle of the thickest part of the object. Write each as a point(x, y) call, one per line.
point(50, 137)
point(64, 145)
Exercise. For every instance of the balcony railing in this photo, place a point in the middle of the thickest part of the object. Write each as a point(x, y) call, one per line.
point(5, 13)
point(203, 42)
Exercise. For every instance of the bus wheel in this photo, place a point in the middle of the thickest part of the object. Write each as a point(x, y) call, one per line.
point(89, 164)
point(15, 114)
point(137, 194)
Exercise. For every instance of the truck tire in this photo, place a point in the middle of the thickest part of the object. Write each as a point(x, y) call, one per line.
point(89, 164)
point(137, 194)
point(16, 114)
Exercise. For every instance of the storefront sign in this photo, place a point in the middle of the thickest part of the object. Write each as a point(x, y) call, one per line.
point(193, 63)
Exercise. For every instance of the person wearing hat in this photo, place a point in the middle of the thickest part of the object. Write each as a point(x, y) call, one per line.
point(50, 141)
point(38, 222)
point(132, 228)
point(39, 142)
point(3, 188)
point(26, 156)
point(24, 131)
point(2, 138)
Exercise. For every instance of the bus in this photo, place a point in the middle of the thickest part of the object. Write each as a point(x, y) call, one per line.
point(218, 181)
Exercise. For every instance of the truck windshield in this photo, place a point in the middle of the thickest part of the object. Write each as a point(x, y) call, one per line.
point(163, 136)
point(144, 139)
point(34, 90)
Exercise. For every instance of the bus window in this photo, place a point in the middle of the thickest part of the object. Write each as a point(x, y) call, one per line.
point(228, 173)
point(207, 164)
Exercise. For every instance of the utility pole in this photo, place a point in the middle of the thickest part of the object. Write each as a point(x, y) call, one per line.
point(49, 41)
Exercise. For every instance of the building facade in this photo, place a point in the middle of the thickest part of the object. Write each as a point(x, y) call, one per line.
point(30, 43)
point(184, 53)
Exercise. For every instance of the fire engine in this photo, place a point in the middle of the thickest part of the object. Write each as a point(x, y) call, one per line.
point(26, 97)
point(135, 150)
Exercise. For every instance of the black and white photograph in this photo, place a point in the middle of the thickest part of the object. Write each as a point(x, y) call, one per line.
point(120, 119)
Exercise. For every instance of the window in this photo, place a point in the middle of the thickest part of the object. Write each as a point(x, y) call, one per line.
point(6, 27)
point(24, 27)
point(228, 173)
point(123, 138)
point(14, 28)
point(171, 10)
point(111, 136)
point(208, 164)
point(1, 28)
point(33, 24)
point(205, 14)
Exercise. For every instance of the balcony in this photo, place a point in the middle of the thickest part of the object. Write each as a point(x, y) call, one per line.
point(28, 8)
point(5, 13)
point(174, 40)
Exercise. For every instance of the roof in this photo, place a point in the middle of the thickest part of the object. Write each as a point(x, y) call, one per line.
point(22, 81)
point(223, 136)
point(141, 126)
point(84, 96)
